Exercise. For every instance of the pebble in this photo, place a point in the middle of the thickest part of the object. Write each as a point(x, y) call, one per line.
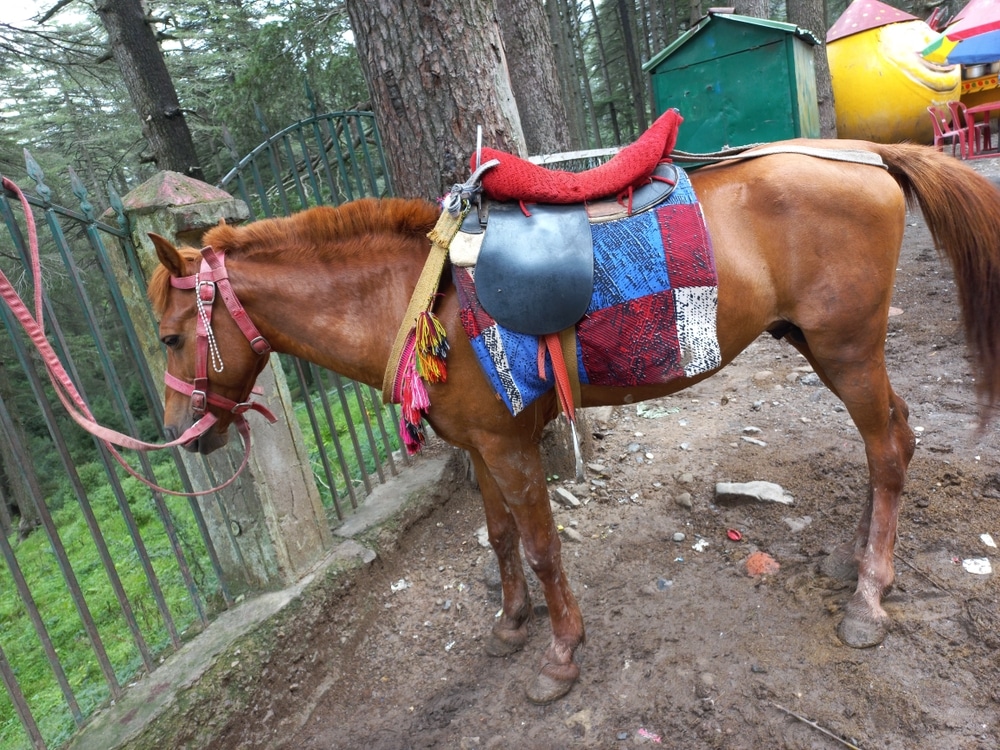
point(566, 497)
point(753, 441)
point(679, 536)
point(572, 534)
point(763, 375)
point(686, 478)
point(766, 491)
point(706, 683)
point(684, 500)
point(797, 524)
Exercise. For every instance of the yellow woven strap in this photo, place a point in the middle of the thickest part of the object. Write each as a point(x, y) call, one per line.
point(423, 294)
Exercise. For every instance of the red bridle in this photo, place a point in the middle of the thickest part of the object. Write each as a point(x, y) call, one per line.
point(213, 274)
point(212, 280)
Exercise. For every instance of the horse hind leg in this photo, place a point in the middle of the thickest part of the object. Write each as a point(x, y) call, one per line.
point(842, 563)
point(860, 380)
point(510, 633)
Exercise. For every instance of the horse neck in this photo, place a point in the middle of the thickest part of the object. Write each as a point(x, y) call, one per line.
point(339, 311)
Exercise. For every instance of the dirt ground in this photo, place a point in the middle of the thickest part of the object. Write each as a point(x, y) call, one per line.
point(684, 648)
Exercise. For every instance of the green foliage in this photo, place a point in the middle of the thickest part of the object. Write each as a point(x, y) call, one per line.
point(38, 563)
point(336, 431)
point(65, 99)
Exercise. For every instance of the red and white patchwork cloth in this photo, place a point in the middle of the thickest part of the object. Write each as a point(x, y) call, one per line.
point(652, 317)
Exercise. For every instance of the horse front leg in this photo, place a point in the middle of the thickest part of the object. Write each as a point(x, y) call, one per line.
point(510, 633)
point(514, 463)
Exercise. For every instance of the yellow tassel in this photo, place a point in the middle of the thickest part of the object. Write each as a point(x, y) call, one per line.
point(432, 348)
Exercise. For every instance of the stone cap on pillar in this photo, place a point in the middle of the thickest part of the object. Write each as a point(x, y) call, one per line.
point(189, 206)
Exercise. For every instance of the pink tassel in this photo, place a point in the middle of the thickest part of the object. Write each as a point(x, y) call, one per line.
point(423, 361)
point(414, 403)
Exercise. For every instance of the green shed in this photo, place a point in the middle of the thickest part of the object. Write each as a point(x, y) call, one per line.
point(738, 80)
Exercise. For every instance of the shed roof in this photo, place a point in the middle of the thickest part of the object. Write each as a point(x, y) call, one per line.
point(789, 28)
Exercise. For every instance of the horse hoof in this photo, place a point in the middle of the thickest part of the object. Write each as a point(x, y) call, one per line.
point(506, 642)
point(552, 682)
point(861, 632)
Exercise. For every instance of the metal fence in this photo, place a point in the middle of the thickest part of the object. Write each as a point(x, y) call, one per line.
point(102, 576)
point(325, 159)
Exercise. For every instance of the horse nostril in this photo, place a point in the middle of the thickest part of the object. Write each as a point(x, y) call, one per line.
point(171, 432)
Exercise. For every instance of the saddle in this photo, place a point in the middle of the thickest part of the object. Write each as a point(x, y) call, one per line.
point(535, 264)
point(516, 179)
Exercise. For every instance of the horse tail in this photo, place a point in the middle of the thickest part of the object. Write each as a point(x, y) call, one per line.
point(962, 211)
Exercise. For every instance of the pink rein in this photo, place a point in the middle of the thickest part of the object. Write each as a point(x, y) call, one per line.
point(212, 275)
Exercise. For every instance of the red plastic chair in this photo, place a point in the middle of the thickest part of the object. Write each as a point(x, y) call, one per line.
point(947, 131)
point(978, 136)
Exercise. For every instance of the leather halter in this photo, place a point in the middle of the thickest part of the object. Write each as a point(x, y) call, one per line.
point(69, 396)
point(212, 280)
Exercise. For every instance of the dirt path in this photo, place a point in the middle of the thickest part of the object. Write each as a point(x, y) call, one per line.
point(683, 648)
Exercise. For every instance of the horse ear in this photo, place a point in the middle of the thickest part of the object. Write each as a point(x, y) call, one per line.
point(168, 254)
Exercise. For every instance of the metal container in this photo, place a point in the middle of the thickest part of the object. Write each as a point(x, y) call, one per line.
point(738, 80)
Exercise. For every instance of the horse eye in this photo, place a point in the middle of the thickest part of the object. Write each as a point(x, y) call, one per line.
point(170, 341)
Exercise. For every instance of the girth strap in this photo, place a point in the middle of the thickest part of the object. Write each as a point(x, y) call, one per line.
point(752, 151)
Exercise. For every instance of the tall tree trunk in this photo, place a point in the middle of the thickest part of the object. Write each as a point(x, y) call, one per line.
point(626, 14)
point(644, 27)
point(582, 89)
point(135, 51)
point(435, 71)
point(564, 25)
point(605, 75)
point(694, 12)
point(755, 8)
point(811, 15)
point(534, 76)
point(18, 483)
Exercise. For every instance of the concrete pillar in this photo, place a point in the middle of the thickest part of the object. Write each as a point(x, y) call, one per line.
point(269, 527)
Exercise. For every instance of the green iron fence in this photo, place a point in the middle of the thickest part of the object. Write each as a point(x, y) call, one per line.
point(103, 576)
point(325, 159)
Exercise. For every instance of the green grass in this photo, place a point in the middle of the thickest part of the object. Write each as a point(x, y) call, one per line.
point(38, 563)
point(356, 468)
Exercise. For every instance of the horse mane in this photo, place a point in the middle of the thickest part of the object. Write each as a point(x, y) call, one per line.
point(159, 283)
point(325, 226)
point(307, 232)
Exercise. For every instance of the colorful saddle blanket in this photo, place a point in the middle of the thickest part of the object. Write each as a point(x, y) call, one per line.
point(651, 318)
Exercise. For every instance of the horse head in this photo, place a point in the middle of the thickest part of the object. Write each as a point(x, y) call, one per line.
point(212, 360)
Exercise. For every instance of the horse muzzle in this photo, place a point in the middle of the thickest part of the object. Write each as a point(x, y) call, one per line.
point(204, 444)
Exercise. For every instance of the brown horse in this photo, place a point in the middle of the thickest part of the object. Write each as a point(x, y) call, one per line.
point(805, 248)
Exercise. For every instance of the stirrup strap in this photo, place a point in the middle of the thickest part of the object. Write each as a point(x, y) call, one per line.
point(554, 346)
